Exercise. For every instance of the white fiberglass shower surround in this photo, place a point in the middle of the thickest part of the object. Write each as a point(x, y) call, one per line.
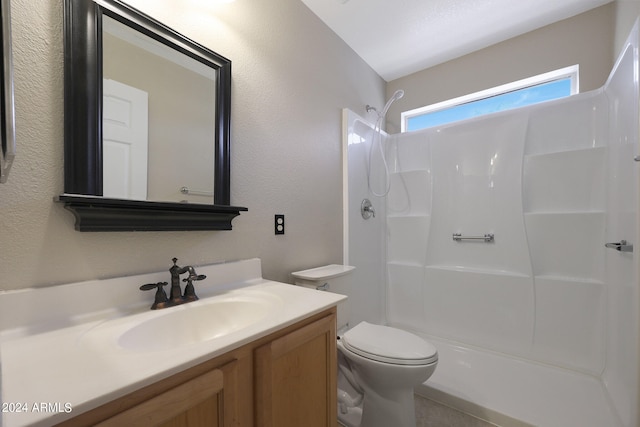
point(540, 324)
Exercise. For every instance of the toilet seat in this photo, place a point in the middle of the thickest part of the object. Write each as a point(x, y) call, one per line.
point(389, 345)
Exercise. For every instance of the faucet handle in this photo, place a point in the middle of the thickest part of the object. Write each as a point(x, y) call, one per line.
point(161, 299)
point(150, 286)
point(189, 290)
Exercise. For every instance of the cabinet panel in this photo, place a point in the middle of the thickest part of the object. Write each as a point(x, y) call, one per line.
point(296, 378)
point(203, 414)
point(207, 396)
point(197, 402)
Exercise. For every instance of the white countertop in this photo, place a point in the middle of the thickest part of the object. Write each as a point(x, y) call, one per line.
point(58, 369)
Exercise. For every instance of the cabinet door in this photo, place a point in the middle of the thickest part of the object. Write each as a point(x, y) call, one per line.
point(196, 403)
point(296, 378)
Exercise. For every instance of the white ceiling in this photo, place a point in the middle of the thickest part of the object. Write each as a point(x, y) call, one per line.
point(399, 37)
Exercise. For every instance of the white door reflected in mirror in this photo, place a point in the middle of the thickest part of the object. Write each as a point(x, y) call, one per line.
point(125, 120)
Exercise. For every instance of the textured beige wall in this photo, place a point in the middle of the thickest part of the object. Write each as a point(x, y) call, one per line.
point(586, 39)
point(291, 78)
point(626, 14)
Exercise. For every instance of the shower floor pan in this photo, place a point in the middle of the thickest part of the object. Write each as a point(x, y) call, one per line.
point(513, 392)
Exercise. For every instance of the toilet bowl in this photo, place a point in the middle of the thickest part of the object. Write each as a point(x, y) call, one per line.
point(378, 366)
point(386, 363)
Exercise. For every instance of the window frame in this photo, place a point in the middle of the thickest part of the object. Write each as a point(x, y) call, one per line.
point(571, 72)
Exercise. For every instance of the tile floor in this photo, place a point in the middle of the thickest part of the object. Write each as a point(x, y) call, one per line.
point(432, 414)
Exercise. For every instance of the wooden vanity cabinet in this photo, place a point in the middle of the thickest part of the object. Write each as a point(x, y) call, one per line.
point(287, 378)
point(295, 377)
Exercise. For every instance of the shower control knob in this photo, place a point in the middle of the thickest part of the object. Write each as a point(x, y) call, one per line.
point(367, 210)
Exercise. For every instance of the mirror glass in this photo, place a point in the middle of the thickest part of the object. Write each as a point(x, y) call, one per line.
point(157, 117)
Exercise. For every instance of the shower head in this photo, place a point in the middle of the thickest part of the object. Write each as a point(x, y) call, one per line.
point(396, 95)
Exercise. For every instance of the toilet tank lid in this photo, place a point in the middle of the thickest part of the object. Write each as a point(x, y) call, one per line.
point(323, 273)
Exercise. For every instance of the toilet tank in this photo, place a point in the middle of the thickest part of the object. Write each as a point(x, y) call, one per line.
point(329, 278)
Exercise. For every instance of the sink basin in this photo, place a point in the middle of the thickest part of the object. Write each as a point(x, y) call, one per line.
point(191, 324)
point(182, 325)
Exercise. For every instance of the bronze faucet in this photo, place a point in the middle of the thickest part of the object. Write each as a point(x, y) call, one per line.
point(189, 290)
point(175, 296)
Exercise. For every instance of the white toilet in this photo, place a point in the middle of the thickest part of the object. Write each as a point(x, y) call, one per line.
point(378, 366)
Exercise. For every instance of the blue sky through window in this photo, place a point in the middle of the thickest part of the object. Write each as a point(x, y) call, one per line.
point(506, 101)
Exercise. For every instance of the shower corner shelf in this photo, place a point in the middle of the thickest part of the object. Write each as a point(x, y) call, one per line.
point(396, 263)
point(563, 213)
point(477, 270)
point(569, 279)
point(400, 216)
point(566, 151)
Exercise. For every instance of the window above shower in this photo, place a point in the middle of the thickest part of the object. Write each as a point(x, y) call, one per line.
point(543, 87)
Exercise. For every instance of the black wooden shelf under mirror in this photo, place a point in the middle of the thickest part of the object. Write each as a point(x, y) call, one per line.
point(125, 168)
point(94, 213)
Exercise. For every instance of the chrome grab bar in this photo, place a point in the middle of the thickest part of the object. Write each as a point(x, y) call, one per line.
point(187, 190)
point(488, 238)
point(621, 246)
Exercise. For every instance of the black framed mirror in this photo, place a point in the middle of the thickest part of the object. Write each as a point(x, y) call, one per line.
point(98, 172)
point(7, 105)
